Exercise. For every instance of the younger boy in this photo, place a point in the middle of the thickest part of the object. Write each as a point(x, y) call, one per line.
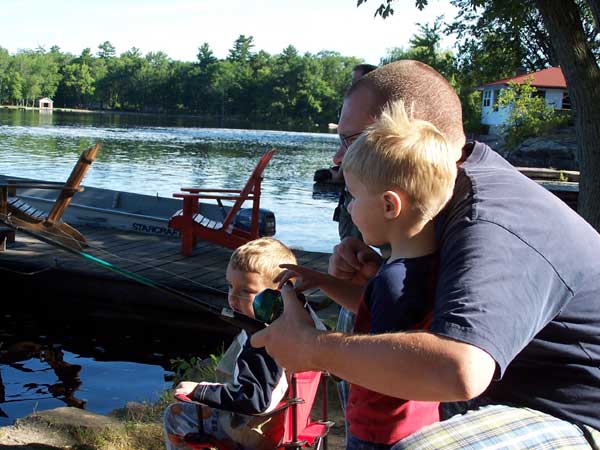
point(249, 380)
point(400, 173)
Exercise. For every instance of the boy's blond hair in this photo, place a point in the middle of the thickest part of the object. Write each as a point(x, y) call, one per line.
point(406, 154)
point(262, 256)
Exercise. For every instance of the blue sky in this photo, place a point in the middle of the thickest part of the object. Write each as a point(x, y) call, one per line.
point(179, 27)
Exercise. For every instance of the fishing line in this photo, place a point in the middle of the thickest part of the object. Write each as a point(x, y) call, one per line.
point(147, 263)
point(241, 321)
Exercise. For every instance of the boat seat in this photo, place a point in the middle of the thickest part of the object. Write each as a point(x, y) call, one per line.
point(208, 223)
point(192, 224)
point(18, 204)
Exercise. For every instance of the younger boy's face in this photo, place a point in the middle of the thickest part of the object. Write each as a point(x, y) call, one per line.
point(243, 287)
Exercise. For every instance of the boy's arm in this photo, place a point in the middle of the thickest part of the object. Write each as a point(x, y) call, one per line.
point(343, 292)
point(258, 387)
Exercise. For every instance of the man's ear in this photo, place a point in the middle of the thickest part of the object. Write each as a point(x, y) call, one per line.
point(392, 204)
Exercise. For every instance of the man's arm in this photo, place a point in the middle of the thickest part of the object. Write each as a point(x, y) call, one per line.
point(409, 365)
point(414, 365)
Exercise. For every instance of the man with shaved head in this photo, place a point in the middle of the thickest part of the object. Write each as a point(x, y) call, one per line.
point(514, 339)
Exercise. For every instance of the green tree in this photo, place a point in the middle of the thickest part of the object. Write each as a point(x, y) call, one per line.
point(78, 78)
point(425, 46)
point(106, 50)
point(4, 75)
point(205, 55)
point(242, 49)
point(16, 87)
point(529, 114)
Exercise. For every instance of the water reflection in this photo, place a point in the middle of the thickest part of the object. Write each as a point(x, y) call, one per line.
point(54, 354)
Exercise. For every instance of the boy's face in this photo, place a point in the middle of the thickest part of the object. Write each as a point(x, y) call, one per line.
point(367, 211)
point(243, 287)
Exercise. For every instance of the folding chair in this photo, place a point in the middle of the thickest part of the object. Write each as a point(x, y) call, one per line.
point(228, 233)
point(300, 430)
point(20, 213)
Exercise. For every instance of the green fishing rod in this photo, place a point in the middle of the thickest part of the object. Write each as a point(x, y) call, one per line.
point(227, 315)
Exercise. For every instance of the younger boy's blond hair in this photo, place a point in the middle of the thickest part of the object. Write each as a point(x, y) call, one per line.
point(406, 154)
point(262, 256)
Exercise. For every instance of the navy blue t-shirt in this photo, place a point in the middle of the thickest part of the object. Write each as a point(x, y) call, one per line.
point(519, 277)
point(399, 298)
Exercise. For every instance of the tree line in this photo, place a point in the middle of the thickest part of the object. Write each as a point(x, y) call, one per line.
point(286, 90)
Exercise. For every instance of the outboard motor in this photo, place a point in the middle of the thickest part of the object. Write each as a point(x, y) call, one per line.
point(266, 221)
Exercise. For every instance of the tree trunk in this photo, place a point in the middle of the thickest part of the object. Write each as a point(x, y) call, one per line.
point(563, 22)
point(595, 6)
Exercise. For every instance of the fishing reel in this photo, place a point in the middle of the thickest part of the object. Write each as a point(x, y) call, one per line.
point(268, 304)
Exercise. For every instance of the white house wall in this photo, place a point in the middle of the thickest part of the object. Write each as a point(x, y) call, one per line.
point(554, 98)
point(494, 118)
point(491, 117)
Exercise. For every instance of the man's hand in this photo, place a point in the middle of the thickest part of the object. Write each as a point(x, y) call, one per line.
point(355, 261)
point(305, 278)
point(290, 338)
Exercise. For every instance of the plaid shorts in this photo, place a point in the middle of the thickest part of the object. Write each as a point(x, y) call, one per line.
point(500, 427)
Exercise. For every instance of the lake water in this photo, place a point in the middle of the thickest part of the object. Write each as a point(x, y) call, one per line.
point(48, 359)
point(147, 155)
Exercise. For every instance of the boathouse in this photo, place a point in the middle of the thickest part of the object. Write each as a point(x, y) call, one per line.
point(46, 104)
point(550, 84)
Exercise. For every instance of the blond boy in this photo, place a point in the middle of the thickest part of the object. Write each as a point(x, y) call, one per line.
point(248, 380)
point(400, 173)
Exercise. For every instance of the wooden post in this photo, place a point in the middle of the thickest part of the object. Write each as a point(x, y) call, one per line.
point(72, 184)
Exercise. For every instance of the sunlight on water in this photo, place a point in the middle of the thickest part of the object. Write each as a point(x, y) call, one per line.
point(140, 156)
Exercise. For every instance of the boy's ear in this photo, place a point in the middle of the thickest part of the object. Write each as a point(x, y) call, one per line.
point(392, 204)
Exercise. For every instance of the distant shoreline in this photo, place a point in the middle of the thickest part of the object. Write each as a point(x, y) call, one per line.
point(104, 111)
point(210, 121)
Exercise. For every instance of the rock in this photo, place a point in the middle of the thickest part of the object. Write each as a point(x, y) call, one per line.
point(75, 417)
point(54, 428)
point(556, 150)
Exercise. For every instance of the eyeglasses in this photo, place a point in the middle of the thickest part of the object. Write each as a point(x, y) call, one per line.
point(348, 140)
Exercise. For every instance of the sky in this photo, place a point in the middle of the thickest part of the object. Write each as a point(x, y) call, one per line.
point(179, 27)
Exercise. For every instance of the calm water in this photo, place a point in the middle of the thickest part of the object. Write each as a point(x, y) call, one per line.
point(48, 359)
point(52, 355)
point(140, 155)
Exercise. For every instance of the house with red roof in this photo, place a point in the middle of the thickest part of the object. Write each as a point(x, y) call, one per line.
point(550, 84)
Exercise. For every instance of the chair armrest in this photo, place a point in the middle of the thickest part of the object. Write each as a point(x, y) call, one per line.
point(213, 197)
point(197, 190)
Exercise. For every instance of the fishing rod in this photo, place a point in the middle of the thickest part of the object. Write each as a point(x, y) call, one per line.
point(227, 315)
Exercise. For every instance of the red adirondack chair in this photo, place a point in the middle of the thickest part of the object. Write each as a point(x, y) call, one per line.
point(193, 225)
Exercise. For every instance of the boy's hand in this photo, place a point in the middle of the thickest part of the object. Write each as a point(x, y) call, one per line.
point(185, 388)
point(305, 278)
point(353, 260)
point(183, 391)
point(289, 339)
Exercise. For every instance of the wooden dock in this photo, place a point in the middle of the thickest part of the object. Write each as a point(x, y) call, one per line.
point(32, 269)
